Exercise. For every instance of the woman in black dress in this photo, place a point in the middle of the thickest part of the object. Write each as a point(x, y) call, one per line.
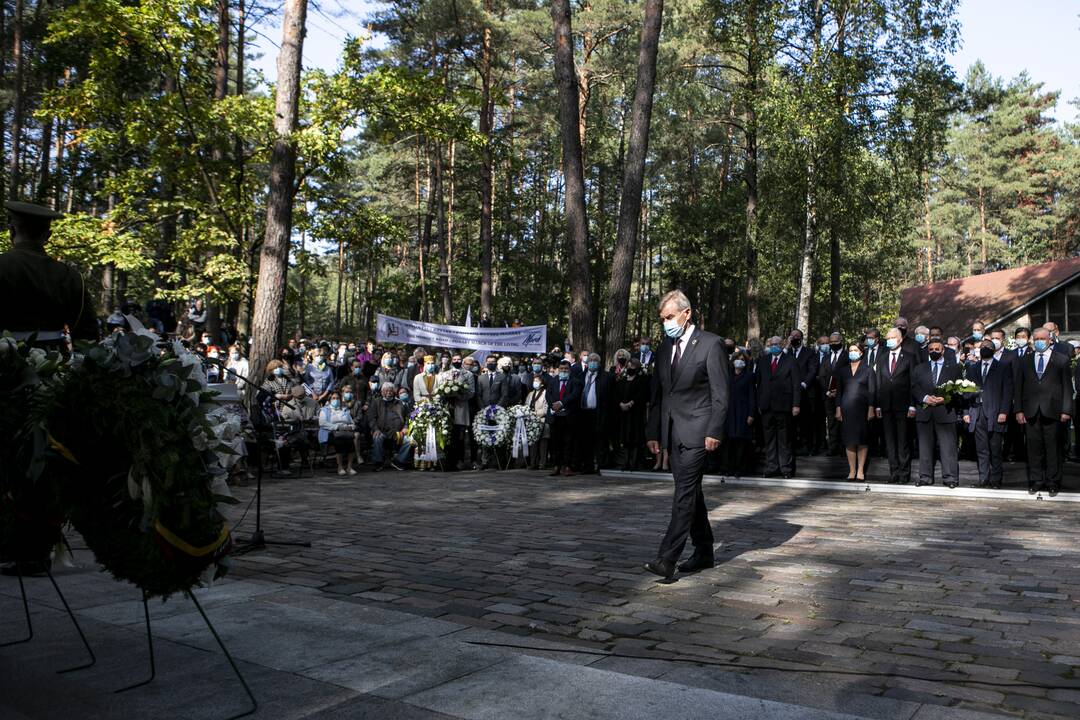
point(854, 399)
point(738, 431)
point(632, 400)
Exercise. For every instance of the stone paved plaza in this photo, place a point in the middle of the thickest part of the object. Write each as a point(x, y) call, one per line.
point(512, 594)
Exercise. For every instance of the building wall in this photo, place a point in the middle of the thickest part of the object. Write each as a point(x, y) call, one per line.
point(1061, 306)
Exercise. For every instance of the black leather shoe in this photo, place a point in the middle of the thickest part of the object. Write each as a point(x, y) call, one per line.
point(1053, 492)
point(1032, 490)
point(697, 562)
point(952, 485)
point(664, 569)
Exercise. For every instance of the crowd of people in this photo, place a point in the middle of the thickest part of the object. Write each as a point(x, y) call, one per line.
point(875, 395)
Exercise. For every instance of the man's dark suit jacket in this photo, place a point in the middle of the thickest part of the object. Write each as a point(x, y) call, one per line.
point(693, 399)
point(807, 363)
point(827, 368)
point(493, 388)
point(995, 396)
point(894, 390)
point(779, 391)
point(922, 384)
point(1052, 396)
point(571, 398)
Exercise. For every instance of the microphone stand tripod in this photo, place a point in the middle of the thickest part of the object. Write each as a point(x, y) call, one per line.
point(258, 539)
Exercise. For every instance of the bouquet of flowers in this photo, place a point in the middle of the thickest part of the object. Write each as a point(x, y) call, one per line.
point(450, 388)
point(428, 427)
point(954, 390)
point(153, 452)
point(527, 430)
point(491, 426)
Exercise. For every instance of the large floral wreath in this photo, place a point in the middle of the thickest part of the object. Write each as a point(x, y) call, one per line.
point(136, 452)
point(491, 426)
point(428, 414)
point(31, 513)
point(526, 429)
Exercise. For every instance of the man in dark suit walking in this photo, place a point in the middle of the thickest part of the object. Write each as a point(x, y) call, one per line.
point(778, 388)
point(988, 414)
point(1043, 402)
point(806, 361)
point(935, 421)
point(687, 416)
point(893, 404)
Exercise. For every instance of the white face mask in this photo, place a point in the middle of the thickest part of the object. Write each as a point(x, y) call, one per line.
point(537, 384)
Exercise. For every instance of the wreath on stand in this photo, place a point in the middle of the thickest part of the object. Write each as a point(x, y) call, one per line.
point(527, 428)
point(428, 428)
point(153, 453)
point(491, 426)
point(31, 514)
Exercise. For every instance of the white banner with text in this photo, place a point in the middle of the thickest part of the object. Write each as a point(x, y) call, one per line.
point(531, 339)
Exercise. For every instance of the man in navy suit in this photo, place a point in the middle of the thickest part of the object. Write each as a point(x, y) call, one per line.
point(988, 413)
point(806, 360)
point(830, 362)
point(1043, 402)
point(935, 421)
point(563, 400)
point(778, 393)
point(687, 416)
point(893, 404)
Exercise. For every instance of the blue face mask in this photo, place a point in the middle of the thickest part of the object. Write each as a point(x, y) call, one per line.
point(374, 385)
point(429, 369)
point(335, 404)
point(673, 329)
point(356, 371)
point(644, 348)
point(824, 347)
point(537, 368)
point(977, 335)
point(740, 364)
point(891, 343)
point(920, 338)
point(1041, 345)
point(347, 397)
point(593, 365)
point(774, 349)
point(279, 372)
point(564, 375)
point(871, 342)
point(403, 398)
point(854, 356)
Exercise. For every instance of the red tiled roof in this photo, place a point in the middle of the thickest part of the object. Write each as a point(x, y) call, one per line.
point(956, 304)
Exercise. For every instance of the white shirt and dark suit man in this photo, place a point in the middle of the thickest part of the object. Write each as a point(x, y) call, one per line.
point(893, 404)
point(988, 412)
point(1043, 403)
point(935, 421)
point(687, 416)
point(778, 394)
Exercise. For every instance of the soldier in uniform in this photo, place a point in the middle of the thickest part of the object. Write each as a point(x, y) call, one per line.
point(39, 295)
point(41, 298)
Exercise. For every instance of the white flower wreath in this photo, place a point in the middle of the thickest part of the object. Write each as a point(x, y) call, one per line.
point(491, 426)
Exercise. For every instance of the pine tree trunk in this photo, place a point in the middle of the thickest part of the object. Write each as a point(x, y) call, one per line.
point(626, 234)
point(274, 258)
point(577, 230)
point(221, 91)
point(14, 174)
point(487, 162)
point(444, 251)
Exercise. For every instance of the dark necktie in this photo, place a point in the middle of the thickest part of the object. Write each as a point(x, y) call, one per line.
point(892, 364)
point(775, 361)
point(1041, 366)
point(562, 387)
point(678, 356)
point(986, 368)
point(937, 372)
